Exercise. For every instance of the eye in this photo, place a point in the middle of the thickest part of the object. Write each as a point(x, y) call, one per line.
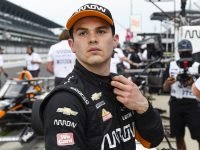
point(82, 33)
point(101, 31)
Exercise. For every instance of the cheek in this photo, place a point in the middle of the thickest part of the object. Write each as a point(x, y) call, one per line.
point(108, 42)
point(111, 45)
point(76, 45)
point(78, 48)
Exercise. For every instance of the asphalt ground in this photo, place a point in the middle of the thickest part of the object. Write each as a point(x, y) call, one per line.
point(37, 143)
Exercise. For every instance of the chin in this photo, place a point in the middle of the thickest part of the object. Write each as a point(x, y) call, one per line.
point(95, 59)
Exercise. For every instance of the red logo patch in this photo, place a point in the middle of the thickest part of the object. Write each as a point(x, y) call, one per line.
point(65, 139)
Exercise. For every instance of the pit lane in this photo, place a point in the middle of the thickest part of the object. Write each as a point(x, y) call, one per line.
point(37, 142)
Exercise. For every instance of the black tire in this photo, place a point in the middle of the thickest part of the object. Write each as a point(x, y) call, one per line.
point(35, 119)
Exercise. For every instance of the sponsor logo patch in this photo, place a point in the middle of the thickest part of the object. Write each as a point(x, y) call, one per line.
point(100, 104)
point(81, 94)
point(118, 136)
point(127, 116)
point(106, 115)
point(96, 96)
point(65, 139)
point(92, 6)
point(67, 111)
point(64, 123)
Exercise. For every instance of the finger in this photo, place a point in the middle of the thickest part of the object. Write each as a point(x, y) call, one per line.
point(122, 79)
point(118, 85)
point(120, 99)
point(119, 92)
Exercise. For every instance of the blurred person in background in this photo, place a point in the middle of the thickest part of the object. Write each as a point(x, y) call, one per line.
point(61, 60)
point(113, 63)
point(133, 57)
point(119, 61)
point(33, 61)
point(142, 53)
point(184, 107)
point(196, 88)
point(2, 70)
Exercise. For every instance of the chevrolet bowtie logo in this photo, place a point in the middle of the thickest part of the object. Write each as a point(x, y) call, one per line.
point(67, 111)
point(96, 96)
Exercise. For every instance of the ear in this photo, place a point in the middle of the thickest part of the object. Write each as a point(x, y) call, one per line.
point(115, 40)
point(71, 45)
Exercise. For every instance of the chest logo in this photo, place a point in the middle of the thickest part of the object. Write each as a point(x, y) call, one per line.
point(106, 115)
point(96, 96)
point(65, 139)
point(67, 111)
point(100, 104)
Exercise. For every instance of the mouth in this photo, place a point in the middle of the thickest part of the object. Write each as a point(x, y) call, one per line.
point(94, 50)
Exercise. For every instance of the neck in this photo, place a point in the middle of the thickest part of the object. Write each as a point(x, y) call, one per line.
point(100, 69)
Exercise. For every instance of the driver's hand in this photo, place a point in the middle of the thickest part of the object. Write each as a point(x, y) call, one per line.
point(129, 94)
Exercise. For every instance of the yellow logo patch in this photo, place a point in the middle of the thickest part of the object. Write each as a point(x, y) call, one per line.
point(67, 111)
point(96, 96)
point(106, 115)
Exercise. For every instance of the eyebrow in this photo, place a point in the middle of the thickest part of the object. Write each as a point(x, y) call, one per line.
point(104, 27)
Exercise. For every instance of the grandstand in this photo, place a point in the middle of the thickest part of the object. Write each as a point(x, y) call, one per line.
point(20, 28)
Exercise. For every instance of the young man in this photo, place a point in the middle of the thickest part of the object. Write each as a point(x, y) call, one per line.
point(61, 60)
point(184, 108)
point(93, 109)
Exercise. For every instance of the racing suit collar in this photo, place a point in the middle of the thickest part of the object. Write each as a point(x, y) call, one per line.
point(92, 77)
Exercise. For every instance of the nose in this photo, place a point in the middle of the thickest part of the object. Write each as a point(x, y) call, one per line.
point(92, 38)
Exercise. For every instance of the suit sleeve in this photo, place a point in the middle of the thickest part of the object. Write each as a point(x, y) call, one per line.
point(64, 122)
point(149, 128)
